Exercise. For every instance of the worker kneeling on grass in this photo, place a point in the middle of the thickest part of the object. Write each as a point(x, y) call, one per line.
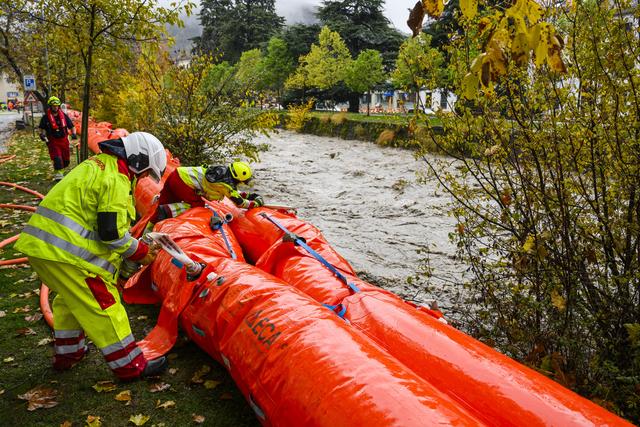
point(186, 185)
point(76, 241)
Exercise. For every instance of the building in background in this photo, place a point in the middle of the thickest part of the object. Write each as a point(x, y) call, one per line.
point(9, 91)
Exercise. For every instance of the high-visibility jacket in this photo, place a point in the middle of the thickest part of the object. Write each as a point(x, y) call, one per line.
point(64, 227)
point(194, 177)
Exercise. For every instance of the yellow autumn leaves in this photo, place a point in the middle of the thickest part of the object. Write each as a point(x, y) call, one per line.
point(513, 37)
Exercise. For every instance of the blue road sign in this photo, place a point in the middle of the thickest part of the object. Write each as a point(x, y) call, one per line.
point(29, 83)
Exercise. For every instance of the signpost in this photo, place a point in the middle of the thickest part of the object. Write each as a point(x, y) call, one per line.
point(31, 99)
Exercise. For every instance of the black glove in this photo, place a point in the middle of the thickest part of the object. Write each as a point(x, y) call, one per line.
point(74, 136)
point(44, 138)
point(252, 196)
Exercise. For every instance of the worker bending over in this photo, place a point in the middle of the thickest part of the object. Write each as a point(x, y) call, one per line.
point(186, 185)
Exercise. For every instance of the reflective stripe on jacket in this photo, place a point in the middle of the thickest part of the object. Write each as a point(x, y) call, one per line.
point(194, 177)
point(64, 227)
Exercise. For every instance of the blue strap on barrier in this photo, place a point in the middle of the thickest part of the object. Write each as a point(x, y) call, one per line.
point(301, 243)
point(224, 235)
point(334, 308)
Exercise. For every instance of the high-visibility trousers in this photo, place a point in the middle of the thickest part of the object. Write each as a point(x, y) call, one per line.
point(87, 304)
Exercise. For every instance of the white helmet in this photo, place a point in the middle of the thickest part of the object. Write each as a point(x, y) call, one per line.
point(145, 152)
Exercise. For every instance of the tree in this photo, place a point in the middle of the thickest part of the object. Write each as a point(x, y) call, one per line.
point(365, 72)
point(362, 25)
point(27, 46)
point(325, 65)
point(249, 75)
point(418, 66)
point(299, 38)
point(546, 190)
point(100, 26)
point(277, 66)
point(230, 27)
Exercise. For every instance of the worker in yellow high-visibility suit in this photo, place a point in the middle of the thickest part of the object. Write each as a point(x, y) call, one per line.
point(76, 241)
point(186, 185)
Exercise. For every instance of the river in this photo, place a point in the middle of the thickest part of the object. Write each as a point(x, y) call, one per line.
point(369, 205)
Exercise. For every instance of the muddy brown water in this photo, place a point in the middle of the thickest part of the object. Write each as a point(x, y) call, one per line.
point(370, 207)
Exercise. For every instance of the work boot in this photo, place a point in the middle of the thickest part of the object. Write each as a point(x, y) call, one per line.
point(58, 176)
point(154, 367)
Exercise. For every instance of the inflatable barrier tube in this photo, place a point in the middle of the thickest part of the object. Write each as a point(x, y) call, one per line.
point(494, 387)
point(295, 361)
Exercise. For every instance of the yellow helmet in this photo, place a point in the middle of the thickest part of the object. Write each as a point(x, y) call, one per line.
point(54, 100)
point(240, 171)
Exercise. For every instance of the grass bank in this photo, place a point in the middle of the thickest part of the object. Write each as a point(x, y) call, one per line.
point(177, 398)
point(394, 130)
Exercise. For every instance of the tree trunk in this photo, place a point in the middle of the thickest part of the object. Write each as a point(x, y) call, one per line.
point(354, 102)
point(84, 142)
point(368, 102)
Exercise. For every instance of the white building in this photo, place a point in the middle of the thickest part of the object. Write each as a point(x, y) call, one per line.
point(9, 91)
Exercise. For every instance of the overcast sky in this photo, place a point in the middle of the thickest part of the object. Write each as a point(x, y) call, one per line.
point(395, 10)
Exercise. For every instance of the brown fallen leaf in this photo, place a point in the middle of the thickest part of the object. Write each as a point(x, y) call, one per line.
point(45, 341)
point(40, 397)
point(198, 419)
point(1, 391)
point(173, 371)
point(33, 318)
point(123, 396)
point(66, 423)
point(139, 419)
point(142, 317)
point(211, 384)
point(22, 332)
point(156, 387)
point(166, 405)
point(93, 421)
point(101, 386)
point(197, 377)
point(226, 396)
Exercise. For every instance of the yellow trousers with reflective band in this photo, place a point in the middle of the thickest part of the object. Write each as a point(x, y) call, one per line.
point(87, 302)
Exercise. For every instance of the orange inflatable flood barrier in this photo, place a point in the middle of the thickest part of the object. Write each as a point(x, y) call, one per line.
point(296, 362)
point(492, 386)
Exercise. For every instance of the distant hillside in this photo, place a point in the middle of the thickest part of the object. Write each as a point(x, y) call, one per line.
point(182, 36)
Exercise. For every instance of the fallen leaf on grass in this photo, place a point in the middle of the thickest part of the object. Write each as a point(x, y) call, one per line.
point(8, 359)
point(40, 397)
point(139, 419)
point(1, 392)
point(197, 377)
point(124, 396)
point(172, 356)
point(173, 371)
point(45, 341)
point(166, 405)
point(22, 332)
point(33, 318)
point(3, 313)
point(24, 309)
point(142, 317)
point(156, 387)
point(226, 396)
point(93, 421)
point(199, 419)
point(66, 423)
point(211, 384)
point(101, 386)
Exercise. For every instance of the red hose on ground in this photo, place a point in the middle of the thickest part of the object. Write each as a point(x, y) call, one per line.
point(20, 187)
point(20, 207)
point(14, 261)
point(7, 158)
point(45, 308)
